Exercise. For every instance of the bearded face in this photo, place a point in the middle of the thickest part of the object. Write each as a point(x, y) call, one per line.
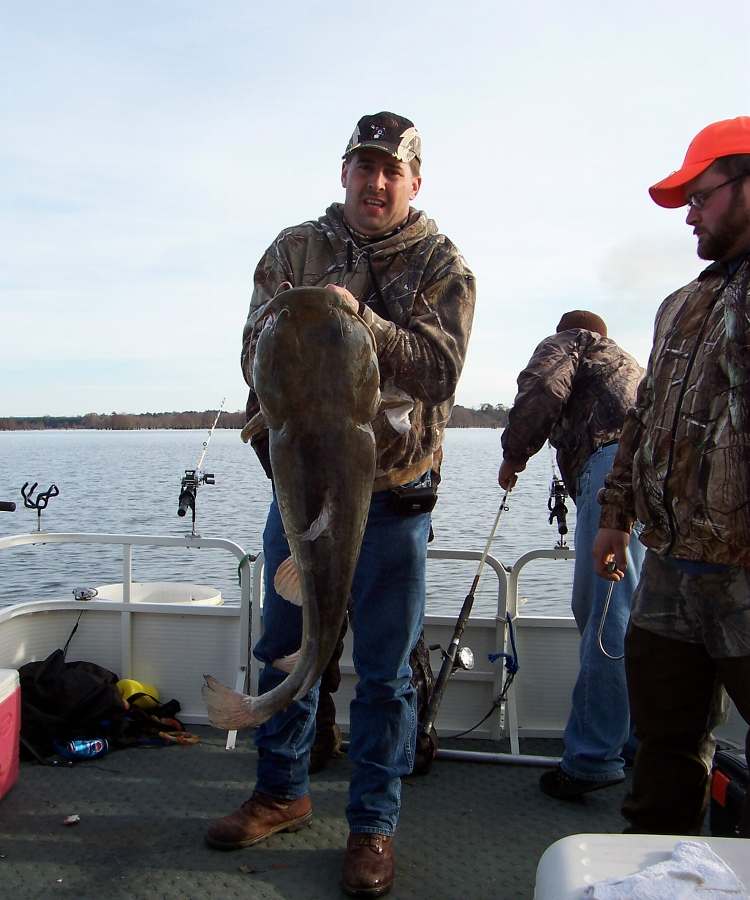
point(719, 212)
point(722, 239)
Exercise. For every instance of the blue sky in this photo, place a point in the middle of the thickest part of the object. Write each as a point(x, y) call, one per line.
point(151, 152)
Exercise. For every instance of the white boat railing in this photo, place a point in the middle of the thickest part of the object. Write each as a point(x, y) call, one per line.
point(536, 704)
point(125, 606)
point(244, 666)
point(506, 718)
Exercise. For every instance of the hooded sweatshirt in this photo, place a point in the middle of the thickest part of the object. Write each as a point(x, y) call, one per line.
point(416, 294)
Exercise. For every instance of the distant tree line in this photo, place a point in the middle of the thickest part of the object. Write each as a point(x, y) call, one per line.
point(486, 416)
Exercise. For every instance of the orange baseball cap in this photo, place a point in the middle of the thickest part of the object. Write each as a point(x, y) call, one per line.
point(723, 138)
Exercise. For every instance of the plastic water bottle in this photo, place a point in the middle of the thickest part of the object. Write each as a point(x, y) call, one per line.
point(82, 749)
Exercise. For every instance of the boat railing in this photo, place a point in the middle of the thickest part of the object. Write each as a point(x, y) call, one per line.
point(243, 665)
point(535, 706)
point(505, 720)
point(126, 607)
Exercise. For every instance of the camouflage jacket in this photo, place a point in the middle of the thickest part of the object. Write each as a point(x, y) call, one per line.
point(683, 464)
point(575, 391)
point(418, 297)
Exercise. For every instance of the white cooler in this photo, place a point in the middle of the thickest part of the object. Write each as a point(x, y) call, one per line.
point(10, 728)
point(569, 865)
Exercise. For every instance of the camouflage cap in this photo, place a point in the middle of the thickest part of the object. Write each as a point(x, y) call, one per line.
point(388, 132)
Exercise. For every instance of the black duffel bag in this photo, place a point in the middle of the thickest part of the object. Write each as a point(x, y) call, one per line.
point(63, 700)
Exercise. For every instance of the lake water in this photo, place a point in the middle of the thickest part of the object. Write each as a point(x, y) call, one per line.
point(129, 481)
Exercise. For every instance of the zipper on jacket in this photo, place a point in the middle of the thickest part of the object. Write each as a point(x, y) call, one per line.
point(349, 255)
point(678, 411)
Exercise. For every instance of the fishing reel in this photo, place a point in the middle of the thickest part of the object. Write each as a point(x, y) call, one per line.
point(464, 658)
point(191, 480)
point(558, 509)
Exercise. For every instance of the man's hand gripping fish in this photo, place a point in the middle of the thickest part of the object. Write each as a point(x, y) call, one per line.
point(317, 381)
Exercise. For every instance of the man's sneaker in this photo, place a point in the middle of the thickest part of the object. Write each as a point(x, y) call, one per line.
point(258, 818)
point(558, 784)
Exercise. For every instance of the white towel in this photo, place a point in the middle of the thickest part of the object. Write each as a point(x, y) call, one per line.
point(694, 871)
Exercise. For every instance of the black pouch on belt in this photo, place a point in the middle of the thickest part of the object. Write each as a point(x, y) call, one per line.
point(411, 501)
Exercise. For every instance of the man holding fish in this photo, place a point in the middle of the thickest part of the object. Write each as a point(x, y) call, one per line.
point(351, 388)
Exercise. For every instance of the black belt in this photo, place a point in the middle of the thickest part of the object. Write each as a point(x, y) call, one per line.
point(608, 443)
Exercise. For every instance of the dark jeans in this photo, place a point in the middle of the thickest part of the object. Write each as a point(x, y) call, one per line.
point(675, 702)
point(388, 596)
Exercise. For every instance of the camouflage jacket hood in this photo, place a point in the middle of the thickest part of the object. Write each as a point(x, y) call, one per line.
point(418, 296)
point(575, 391)
point(683, 465)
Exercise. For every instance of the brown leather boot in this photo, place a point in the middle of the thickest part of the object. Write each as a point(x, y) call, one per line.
point(368, 865)
point(258, 818)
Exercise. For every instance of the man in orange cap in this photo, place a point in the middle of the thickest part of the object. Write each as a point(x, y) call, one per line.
point(683, 470)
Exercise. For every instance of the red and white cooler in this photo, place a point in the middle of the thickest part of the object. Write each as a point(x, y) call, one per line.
point(10, 728)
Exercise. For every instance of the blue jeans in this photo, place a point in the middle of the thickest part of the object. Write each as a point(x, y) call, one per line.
point(599, 722)
point(387, 609)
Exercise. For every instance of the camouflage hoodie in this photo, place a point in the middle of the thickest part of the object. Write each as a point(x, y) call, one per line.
point(683, 465)
point(575, 391)
point(418, 297)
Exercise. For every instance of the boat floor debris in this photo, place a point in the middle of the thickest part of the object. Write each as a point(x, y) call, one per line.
point(467, 829)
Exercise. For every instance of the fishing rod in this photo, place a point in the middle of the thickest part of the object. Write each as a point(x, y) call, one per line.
point(193, 478)
point(556, 503)
point(454, 657)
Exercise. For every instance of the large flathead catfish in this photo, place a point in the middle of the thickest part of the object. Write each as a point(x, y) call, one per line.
point(317, 381)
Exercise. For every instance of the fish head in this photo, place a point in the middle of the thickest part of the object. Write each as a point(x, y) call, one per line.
point(315, 355)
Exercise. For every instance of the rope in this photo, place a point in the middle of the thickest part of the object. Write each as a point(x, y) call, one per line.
point(511, 664)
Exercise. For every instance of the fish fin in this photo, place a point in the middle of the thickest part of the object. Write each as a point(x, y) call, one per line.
point(227, 709)
point(320, 524)
point(286, 582)
point(286, 663)
point(253, 427)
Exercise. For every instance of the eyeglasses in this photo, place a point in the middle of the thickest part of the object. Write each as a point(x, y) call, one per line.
point(698, 199)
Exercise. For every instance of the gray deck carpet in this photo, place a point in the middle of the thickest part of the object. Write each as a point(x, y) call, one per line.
point(468, 830)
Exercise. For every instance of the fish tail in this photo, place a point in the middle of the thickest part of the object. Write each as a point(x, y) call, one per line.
point(228, 709)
